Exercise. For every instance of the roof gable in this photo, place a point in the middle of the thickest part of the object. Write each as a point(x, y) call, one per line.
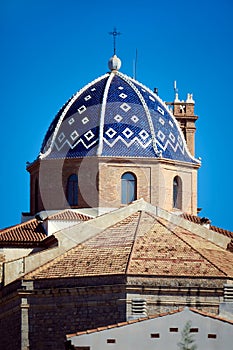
point(185, 311)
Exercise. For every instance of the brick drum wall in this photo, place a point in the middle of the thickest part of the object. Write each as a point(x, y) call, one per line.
point(99, 182)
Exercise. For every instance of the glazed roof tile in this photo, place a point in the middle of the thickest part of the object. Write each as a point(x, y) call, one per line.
point(28, 233)
point(115, 115)
point(141, 244)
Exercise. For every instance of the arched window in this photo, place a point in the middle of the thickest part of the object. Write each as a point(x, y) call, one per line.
point(177, 193)
point(128, 188)
point(72, 190)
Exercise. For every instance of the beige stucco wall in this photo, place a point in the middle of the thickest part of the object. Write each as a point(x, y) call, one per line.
point(209, 333)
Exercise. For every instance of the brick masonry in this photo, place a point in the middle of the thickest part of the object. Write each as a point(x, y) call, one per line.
point(63, 306)
point(100, 182)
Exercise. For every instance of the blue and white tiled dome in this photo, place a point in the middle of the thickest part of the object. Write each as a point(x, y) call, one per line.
point(115, 116)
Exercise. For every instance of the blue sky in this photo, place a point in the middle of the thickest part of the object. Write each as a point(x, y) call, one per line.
point(51, 48)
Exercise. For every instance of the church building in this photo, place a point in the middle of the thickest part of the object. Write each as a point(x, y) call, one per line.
point(113, 232)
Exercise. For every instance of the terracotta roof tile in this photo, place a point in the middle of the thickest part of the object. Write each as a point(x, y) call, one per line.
point(68, 214)
point(207, 314)
point(28, 233)
point(106, 253)
point(198, 220)
point(222, 231)
point(219, 259)
point(192, 218)
point(126, 323)
point(162, 252)
point(141, 245)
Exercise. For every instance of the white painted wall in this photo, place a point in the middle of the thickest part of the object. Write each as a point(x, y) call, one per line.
point(137, 336)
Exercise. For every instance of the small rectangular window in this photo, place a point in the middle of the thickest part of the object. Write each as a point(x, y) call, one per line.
point(212, 336)
point(155, 335)
point(111, 341)
point(173, 329)
point(193, 330)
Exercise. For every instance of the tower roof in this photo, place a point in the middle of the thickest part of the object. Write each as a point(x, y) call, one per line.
point(115, 116)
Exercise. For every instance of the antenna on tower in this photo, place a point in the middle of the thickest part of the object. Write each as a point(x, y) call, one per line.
point(175, 91)
point(135, 61)
point(115, 33)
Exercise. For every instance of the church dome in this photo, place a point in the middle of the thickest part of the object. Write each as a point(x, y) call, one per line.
point(115, 116)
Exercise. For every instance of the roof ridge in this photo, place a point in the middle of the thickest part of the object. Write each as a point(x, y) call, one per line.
point(21, 224)
point(134, 239)
point(222, 231)
point(207, 314)
point(58, 212)
point(146, 109)
point(190, 245)
point(70, 211)
point(126, 323)
point(43, 154)
point(136, 231)
point(197, 220)
point(129, 322)
point(72, 249)
point(134, 81)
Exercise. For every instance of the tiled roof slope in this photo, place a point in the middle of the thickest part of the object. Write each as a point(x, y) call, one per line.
point(141, 244)
point(170, 250)
point(69, 215)
point(107, 253)
point(29, 233)
point(218, 257)
point(198, 220)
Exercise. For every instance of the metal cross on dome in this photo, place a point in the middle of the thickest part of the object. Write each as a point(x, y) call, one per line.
point(114, 34)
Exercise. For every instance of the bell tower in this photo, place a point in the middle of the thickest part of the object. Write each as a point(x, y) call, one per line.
point(184, 114)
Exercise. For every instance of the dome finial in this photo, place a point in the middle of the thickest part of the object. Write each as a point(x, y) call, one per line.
point(114, 62)
point(114, 35)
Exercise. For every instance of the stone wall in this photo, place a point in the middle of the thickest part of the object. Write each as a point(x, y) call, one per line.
point(10, 323)
point(166, 294)
point(40, 313)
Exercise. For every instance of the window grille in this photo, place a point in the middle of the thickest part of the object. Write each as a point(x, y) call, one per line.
point(139, 307)
point(228, 292)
